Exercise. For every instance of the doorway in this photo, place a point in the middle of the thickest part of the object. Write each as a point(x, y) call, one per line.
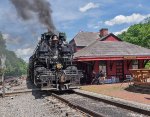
point(120, 70)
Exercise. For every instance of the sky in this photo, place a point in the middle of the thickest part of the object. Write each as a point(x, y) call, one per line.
point(71, 17)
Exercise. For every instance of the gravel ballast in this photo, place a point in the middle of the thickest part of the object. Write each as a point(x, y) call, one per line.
point(24, 105)
point(33, 104)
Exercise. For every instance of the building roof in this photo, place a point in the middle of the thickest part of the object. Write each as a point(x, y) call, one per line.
point(110, 34)
point(85, 38)
point(111, 49)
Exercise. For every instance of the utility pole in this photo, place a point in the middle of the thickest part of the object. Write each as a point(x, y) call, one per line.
point(3, 85)
point(3, 66)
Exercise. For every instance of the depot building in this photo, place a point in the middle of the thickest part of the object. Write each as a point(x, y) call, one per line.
point(102, 50)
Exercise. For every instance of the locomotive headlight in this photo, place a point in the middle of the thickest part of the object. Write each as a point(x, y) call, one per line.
point(59, 66)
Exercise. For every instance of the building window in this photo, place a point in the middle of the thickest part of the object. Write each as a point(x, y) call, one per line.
point(135, 64)
point(102, 66)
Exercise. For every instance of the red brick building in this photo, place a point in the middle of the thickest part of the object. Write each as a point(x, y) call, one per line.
point(103, 50)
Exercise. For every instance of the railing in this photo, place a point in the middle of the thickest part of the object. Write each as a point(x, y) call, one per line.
point(140, 75)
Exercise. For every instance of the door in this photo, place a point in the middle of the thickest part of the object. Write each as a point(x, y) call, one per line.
point(120, 70)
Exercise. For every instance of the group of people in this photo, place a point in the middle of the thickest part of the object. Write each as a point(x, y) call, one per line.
point(98, 78)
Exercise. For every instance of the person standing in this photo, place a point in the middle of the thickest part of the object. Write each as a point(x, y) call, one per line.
point(101, 77)
point(98, 78)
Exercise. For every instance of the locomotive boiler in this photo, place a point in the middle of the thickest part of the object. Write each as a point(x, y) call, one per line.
point(51, 64)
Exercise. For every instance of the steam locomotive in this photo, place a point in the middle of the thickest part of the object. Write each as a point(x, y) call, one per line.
point(51, 64)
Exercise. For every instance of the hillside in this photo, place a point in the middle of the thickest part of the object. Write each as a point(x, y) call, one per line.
point(14, 66)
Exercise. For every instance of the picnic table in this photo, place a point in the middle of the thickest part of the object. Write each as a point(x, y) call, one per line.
point(140, 76)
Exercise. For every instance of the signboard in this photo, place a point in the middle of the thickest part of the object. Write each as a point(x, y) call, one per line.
point(129, 57)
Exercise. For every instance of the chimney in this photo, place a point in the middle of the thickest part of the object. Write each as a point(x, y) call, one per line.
point(103, 32)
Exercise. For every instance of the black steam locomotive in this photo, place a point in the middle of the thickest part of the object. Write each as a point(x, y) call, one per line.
point(51, 63)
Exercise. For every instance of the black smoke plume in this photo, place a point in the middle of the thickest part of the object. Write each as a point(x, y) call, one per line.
point(27, 9)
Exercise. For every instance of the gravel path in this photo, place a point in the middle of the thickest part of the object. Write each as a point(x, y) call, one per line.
point(118, 90)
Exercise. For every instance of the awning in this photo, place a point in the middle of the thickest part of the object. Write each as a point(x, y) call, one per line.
point(112, 58)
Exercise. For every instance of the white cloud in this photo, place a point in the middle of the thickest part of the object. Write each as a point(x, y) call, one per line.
point(88, 6)
point(11, 40)
point(94, 25)
point(6, 36)
point(119, 32)
point(120, 19)
point(24, 52)
point(39, 38)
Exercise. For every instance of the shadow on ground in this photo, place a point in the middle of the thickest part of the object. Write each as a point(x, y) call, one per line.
point(39, 93)
point(36, 92)
point(137, 89)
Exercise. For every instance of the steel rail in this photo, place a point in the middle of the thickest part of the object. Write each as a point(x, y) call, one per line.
point(123, 106)
point(76, 106)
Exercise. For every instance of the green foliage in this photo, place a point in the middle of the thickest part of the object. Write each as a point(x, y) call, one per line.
point(138, 34)
point(14, 66)
point(147, 65)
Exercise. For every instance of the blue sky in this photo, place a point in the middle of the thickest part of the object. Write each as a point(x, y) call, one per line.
point(70, 16)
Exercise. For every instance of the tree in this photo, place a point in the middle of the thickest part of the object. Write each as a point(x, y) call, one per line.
point(138, 34)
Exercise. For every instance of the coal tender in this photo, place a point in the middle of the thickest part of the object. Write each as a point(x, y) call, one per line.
point(51, 63)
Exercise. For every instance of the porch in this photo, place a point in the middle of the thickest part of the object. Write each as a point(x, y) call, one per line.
point(114, 70)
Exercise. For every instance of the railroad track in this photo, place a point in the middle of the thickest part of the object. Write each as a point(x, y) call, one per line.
point(96, 108)
point(87, 112)
point(65, 109)
point(131, 106)
point(27, 91)
point(54, 105)
point(92, 106)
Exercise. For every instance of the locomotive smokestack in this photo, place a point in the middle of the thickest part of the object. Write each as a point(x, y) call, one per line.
point(27, 9)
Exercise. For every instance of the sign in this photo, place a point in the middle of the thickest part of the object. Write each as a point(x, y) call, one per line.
point(129, 57)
